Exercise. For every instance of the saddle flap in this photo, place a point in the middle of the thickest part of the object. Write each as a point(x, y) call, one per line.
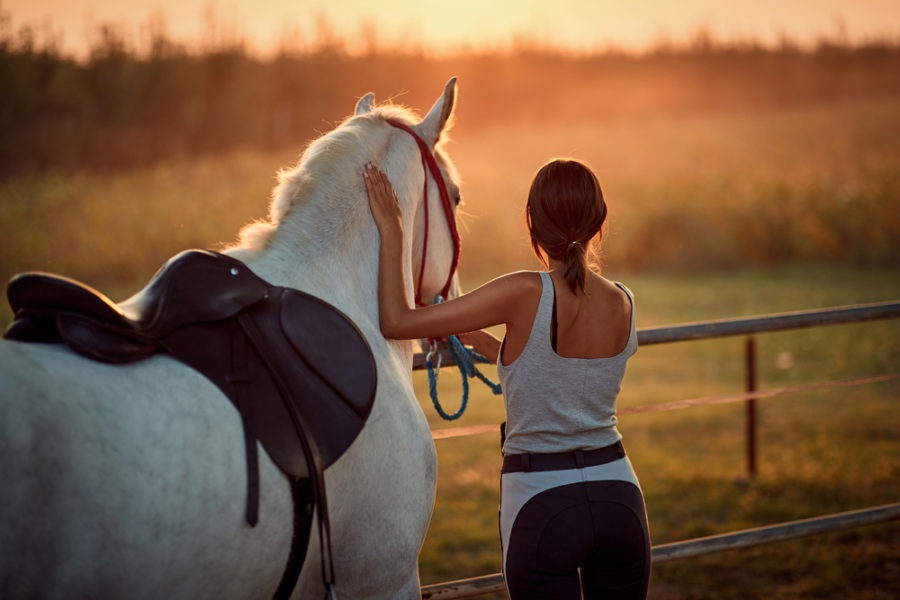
point(300, 356)
point(332, 346)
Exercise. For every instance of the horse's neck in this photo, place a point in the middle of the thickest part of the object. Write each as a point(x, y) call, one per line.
point(331, 254)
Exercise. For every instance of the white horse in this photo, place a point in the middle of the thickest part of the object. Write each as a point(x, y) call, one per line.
point(130, 481)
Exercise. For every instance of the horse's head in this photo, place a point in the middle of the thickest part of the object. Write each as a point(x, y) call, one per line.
point(320, 204)
point(427, 186)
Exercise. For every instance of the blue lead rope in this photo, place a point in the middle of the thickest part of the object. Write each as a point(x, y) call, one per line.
point(465, 359)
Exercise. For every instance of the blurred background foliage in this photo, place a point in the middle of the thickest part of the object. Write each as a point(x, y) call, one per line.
point(713, 153)
point(135, 101)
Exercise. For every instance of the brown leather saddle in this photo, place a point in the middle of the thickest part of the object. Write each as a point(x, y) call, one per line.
point(300, 373)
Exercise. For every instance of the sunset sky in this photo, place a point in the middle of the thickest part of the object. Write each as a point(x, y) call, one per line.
point(441, 25)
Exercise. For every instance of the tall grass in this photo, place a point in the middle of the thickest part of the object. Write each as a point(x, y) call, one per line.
point(800, 184)
point(812, 183)
point(711, 155)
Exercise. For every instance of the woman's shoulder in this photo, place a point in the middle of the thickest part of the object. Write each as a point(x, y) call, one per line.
point(519, 293)
point(608, 285)
point(523, 281)
point(612, 293)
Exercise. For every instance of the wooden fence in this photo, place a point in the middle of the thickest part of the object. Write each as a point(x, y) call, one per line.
point(476, 586)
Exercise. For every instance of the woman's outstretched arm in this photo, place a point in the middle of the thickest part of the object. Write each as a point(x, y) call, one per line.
point(484, 342)
point(491, 304)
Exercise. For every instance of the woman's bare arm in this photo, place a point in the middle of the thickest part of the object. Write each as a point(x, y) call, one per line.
point(484, 342)
point(492, 304)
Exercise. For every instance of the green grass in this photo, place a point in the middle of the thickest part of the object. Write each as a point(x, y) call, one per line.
point(819, 452)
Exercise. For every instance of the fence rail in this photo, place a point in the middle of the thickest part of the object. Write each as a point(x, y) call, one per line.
point(743, 326)
point(486, 584)
point(767, 323)
point(476, 586)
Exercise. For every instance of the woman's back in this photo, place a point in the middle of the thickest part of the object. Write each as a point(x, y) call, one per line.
point(593, 324)
point(557, 401)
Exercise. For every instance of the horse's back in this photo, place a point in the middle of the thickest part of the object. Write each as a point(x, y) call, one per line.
point(127, 481)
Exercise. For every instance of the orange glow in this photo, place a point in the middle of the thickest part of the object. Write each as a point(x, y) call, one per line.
point(441, 26)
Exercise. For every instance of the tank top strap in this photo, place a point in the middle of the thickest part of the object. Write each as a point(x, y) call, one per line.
point(631, 346)
point(540, 330)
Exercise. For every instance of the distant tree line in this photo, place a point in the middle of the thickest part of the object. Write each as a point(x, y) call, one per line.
point(122, 107)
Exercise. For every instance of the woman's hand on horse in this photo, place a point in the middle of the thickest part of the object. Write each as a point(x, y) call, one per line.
point(383, 202)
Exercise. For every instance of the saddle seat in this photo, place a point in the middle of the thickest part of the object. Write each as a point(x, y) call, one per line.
point(193, 286)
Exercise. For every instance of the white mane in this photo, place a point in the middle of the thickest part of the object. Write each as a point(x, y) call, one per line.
point(329, 158)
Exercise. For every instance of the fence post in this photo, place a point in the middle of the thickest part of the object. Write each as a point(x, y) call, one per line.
point(750, 361)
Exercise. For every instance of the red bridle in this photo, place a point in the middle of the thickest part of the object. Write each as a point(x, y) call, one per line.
point(430, 164)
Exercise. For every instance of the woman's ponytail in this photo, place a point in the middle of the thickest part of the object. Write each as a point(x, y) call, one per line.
point(575, 266)
point(564, 214)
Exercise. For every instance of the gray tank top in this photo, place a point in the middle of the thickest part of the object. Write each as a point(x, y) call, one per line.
point(559, 404)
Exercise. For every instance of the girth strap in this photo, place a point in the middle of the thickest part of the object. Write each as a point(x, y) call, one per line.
point(302, 496)
point(239, 380)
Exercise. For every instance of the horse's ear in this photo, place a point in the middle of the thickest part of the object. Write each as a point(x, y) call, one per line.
point(365, 104)
point(436, 120)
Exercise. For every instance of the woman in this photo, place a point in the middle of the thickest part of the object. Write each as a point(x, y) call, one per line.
point(572, 517)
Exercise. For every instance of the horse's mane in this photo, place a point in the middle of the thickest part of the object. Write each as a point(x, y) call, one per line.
point(327, 158)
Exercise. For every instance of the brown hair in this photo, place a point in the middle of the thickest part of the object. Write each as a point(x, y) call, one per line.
point(564, 213)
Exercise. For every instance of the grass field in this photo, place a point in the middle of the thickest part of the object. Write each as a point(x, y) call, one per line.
point(712, 215)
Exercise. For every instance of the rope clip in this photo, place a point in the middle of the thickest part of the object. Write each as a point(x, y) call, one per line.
point(432, 350)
